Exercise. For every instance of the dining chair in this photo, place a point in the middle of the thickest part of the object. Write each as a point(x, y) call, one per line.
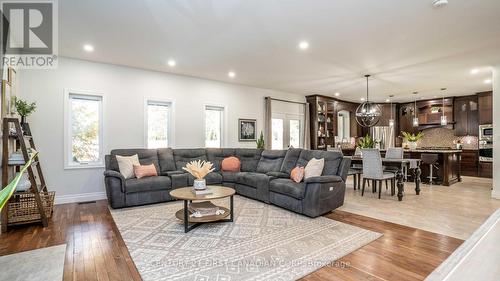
point(373, 170)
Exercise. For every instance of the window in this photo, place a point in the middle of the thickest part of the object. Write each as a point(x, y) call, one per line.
point(84, 137)
point(158, 124)
point(286, 131)
point(277, 131)
point(214, 118)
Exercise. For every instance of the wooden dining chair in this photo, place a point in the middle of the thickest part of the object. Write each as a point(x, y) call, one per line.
point(373, 170)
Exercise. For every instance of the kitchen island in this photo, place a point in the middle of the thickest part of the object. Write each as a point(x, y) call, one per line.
point(448, 171)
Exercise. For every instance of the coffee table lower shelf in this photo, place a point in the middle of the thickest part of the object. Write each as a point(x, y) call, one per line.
point(193, 222)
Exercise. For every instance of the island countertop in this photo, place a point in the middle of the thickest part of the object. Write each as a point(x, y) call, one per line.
point(422, 150)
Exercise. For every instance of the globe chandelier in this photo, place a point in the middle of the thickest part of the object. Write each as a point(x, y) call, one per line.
point(368, 113)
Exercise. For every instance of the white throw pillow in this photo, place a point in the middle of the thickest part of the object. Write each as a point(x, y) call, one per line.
point(314, 168)
point(126, 165)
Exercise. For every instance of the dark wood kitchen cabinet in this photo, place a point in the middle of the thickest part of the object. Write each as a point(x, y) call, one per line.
point(485, 103)
point(466, 112)
point(469, 163)
point(405, 116)
point(485, 169)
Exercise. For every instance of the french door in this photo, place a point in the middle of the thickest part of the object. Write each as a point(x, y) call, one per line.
point(287, 131)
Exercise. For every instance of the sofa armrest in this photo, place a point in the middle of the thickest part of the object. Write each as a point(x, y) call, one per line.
point(115, 174)
point(115, 188)
point(278, 175)
point(323, 179)
point(344, 168)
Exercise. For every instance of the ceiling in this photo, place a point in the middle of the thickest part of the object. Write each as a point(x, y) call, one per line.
point(407, 46)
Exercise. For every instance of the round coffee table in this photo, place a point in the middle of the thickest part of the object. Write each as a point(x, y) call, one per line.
point(187, 195)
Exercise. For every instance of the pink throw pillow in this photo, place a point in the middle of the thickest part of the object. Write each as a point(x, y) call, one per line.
point(297, 174)
point(231, 164)
point(142, 171)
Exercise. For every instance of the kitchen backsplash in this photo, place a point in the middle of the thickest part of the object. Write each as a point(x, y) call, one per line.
point(446, 138)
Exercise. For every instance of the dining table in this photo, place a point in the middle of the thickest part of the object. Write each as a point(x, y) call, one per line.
point(400, 164)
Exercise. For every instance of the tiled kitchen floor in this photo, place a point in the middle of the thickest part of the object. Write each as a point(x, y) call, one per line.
point(455, 210)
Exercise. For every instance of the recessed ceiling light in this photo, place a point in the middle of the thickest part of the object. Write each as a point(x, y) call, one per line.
point(362, 99)
point(171, 63)
point(474, 71)
point(387, 100)
point(88, 48)
point(337, 94)
point(303, 45)
point(439, 3)
point(487, 81)
point(231, 74)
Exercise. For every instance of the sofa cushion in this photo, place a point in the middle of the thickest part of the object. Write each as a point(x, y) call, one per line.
point(143, 171)
point(147, 184)
point(290, 160)
point(252, 179)
point(229, 176)
point(216, 155)
point(314, 168)
point(270, 161)
point(249, 158)
point(146, 157)
point(166, 160)
point(332, 160)
point(288, 187)
point(184, 156)
point(126, 165)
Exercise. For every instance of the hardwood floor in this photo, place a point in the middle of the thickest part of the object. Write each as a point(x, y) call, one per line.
point(96, 251)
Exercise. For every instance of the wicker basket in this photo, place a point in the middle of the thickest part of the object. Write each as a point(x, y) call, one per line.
point(23, 208)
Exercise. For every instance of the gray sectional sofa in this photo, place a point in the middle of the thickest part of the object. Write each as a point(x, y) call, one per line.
point(264, 176)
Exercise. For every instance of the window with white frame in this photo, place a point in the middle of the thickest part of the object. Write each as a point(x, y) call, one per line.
point(158, 123)
point(214, 120)
point(84, 130)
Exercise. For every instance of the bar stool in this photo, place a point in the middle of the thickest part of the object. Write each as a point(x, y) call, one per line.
point(432, 161)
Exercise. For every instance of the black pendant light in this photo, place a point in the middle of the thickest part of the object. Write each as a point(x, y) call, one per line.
point(368, 113)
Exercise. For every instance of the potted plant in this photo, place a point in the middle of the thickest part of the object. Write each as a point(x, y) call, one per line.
point(24, 109)
point(260, 141)
point(366, 142)
point(412, 138)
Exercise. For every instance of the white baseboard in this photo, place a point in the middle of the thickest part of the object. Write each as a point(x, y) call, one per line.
point(495, 194)
point(75, 198)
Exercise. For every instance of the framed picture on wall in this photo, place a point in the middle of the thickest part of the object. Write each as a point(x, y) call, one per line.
point(247, 129)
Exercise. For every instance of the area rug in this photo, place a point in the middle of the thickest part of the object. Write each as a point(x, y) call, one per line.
point(264, 242)
point(45, 264)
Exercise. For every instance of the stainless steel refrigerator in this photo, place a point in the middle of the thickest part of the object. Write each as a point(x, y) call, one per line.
point(384, 135)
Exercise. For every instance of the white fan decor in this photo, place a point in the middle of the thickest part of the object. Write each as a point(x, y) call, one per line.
point(199, 169)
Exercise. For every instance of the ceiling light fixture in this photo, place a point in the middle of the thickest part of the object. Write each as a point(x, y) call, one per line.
point(337, 94)
point(391, 120)
point(303, 45)
point(88, 48)
point(474, 71)
point(231, 74)
point(487, 81)
point(415, 116)
point(362, 99)
point(171, 63)
point(444, 119)
point(368, 113)
point(387, 100)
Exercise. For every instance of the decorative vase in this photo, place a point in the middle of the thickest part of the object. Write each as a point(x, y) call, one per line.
point(412, 144)
point(25, 127)
point(200, 184)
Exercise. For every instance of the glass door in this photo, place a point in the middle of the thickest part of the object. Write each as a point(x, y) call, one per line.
point(287, 131)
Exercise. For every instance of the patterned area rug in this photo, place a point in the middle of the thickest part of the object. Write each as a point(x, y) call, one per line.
point(263, 243)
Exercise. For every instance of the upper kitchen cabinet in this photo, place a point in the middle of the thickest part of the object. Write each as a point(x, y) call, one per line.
point(466, 111)
point(406, 114)
point(485, 102)
point(430, 112)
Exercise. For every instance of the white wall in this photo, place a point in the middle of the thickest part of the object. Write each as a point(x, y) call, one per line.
point(125, 90)
point(496, 133)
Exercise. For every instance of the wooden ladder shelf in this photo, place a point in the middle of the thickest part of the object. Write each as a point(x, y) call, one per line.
point(23, 143)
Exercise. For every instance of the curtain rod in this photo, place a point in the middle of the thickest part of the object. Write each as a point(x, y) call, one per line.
point(303, 103)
